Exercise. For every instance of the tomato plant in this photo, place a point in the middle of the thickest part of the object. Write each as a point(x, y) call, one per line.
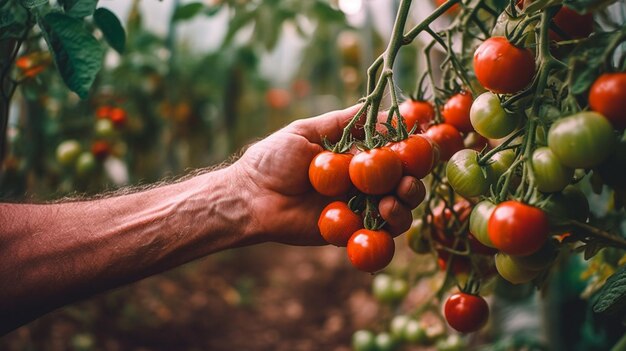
point(489, 118)
point(376, 171)
point(581, 140)
point(607, 96)
point(328, 173)
point(337, 223)
point(370, 250)
point(502, 67)
point(517, 229)
point(416, 154)
point(466, 313)
point(456, 111)
point(447, 138)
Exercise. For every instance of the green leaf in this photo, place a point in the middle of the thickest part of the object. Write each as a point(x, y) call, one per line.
point(79, 8)
point(612, 296)
point(31, 4)
point(77, 54)
point(112, 28)
point(187, 11)
point(588, 58)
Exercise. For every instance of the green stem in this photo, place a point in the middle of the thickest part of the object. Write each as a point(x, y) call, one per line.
point(505, 145)
point(614, 240)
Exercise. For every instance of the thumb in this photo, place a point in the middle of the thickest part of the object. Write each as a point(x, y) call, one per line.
point(329, 125)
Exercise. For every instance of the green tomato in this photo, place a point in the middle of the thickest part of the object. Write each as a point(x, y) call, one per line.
point(104, 128)
point(67, 152)
point(538, 260)
point(582, 140)
point(384, 342)
point(385, 288)
point(550, 174)
point(415, 238)
point(466, 176)
point(85, 164)
point(364, 340)
point(500, 162)
point(478, 221)
point(512, 271)
point(398, 325)
point(489, 118)
point(399, 289)
point(414, 333)
point(451, 343)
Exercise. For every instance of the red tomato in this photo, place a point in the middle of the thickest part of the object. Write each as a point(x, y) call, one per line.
point(103, 112)
point(608, 97)
point(337, 223)
point(448, 138)
point(466, 313)
point(117, 116)
point(328, 173)
point(576, 26)
point(456, 111)
point(100, 149)
point(442, 218)
point(518, 229)
point(452, 11)
point(460, 264)
point(277, 98)
point(416, 154)
point(370, 250)
point(420, 113)
point(376, 171)
point(502, 67)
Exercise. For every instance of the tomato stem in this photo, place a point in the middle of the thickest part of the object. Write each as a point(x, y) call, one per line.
point(613, 240)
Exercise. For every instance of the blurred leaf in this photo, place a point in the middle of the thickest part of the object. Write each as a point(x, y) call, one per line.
point(79, 8)
point(187, 11)
point(591, 249)
point(326, 12)
point(587, 59)
point(239, 21)
point(31, 4)
point(12, 20)
point(612, 297)
point(212, 10)
point(586, 6)
point(112, 29)
point(77, 54)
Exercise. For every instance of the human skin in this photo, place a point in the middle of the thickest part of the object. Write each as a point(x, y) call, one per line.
point(55, 254)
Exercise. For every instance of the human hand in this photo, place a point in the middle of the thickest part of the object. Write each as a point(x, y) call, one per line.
point(285, 206)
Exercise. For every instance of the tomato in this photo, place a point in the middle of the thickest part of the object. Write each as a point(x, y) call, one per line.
point(370, 250)
point(538, 260)
point(517, 229)
point(466, 176)
point(398, 325)
point(376, 171)
point(451, 343)
point(447, 137)
point(415, 238)
point(85, 164)
point(607, 96)
point(478, 221)
point(513, 272)
point(67, 152)
point(416, 154)
point(118, 117)
point(100, 149)
point(103, 112)
point(414, 333)
point(502, 67)
point(456, 111)
point(441, 221)
point(460, 264)
point(363, 340)
point(500, 162)
point(337, 223)
point(475, 141)
point(489, 118)
point(384, 342)
point(550, 174)
point(32, 64)
point(452, 11)
point(104, 129)
point(277, 98)
point(389, 289)
point(328, 173)
point(574, 25)
point(613, 170)
point(418, 114)
point(582, 140)
point(466, 313)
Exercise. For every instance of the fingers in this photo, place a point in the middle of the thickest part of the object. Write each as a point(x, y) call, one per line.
point(397, 215)
point(329, 125)
point(411, 191)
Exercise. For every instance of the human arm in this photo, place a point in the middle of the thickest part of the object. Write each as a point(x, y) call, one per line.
point(54, 254)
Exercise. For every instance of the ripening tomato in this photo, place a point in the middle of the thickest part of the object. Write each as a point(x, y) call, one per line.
point(447, 137)
point(518, 229)
point(513, 272)
point(416, 154)
point(376, 171)
point(100, 149)
point(608, 97)
point(370, 250)
point(328, 173)
point(489, 118)
point(582, 140)
point(478, 221)
point(417, 114)
point(337, 223)
point(466, 313)
point(502, 67)
point(456, 111)
point(466, 176)
point(550, 174)
point(571, 23)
